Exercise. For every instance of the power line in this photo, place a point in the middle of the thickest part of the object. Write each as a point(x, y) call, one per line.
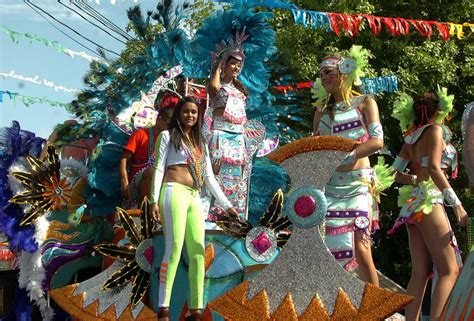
point(69, 8)
point(108, 22)
point(52, 24)
point(84, 7)
point(112, 28)
point(73, 30)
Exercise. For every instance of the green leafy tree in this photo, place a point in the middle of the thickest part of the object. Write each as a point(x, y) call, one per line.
point(200, 10)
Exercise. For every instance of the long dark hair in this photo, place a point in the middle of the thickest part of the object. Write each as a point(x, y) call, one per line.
point(175, 128)
point(424, 107)
point(240, 86)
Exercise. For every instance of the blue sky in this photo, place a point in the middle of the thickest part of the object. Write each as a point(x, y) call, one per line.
point(45, 62)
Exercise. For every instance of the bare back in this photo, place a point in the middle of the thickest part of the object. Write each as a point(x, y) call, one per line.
point(424, 147)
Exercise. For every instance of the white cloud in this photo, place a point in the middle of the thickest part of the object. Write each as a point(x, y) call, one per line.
point(111, 1)
point(13, 8)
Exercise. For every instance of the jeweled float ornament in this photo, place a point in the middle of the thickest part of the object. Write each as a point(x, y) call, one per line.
point(45, 190)
point(262, 241)
point(305, 282)
point(138, 256)
point(116, 293)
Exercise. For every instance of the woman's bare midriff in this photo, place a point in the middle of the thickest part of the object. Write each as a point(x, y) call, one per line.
point(179, 174)
point(360, 163)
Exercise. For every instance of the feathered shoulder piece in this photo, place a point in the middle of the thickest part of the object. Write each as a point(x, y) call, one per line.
point(445, 103)
point(360, 58)
point(385, 175)
point(403, 111)
point(320, 95)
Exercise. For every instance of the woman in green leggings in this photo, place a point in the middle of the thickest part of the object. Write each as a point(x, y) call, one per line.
point(181, 168)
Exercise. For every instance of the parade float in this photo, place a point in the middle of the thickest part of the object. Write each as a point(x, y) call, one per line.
point(63, 213)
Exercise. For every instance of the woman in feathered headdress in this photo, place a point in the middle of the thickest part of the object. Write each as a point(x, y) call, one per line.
point(226, 118)
point(234, 36)
point(427, 143)
point(340, 111)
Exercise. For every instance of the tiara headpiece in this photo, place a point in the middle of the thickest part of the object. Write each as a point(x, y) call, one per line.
point(226, 50)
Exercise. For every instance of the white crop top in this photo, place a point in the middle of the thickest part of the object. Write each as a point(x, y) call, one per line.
point(166, 155)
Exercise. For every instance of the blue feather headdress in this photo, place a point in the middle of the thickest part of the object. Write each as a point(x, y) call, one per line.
point(258, 48)
point(111, 90)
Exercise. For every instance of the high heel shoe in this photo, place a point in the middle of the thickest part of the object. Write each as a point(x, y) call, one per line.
point(196, 316)
point(163, 314)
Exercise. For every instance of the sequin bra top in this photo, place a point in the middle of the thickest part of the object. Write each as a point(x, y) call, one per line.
point(234, 103)
point(348, 122)
point(449, 158)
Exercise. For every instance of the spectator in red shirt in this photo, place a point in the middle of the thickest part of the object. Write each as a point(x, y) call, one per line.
point(135, 166)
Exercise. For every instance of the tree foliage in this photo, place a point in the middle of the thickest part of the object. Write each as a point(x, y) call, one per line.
point(200, 11)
